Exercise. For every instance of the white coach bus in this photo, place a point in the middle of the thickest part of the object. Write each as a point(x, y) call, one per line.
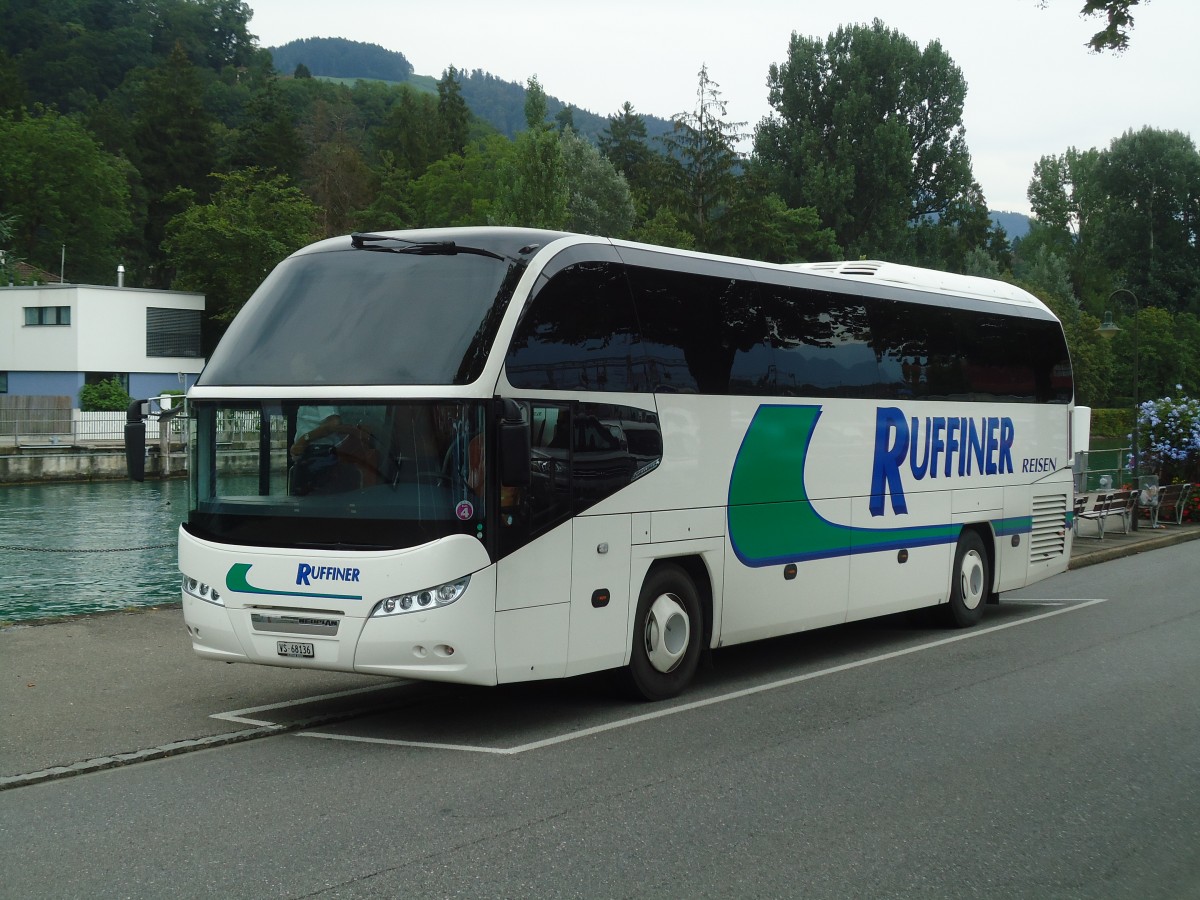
point(489, 455)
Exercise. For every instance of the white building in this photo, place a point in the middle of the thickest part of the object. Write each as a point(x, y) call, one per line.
point(55, 338)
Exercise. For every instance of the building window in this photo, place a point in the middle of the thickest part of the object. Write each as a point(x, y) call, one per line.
point(47, 315)
point(173, 332)
point(3, 382)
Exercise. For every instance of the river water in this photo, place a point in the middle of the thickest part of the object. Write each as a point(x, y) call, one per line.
point(84, 547)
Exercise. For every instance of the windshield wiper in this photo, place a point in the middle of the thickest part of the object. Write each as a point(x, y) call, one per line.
point(362, 241)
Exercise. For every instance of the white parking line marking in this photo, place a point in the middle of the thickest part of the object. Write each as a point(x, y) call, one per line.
point(239, 715)
point(710, 701)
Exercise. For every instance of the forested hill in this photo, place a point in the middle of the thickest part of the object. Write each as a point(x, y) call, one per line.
point(1015, 224)
point(342, 58)
point(499, 103)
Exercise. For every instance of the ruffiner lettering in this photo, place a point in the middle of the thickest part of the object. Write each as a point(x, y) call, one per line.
point(933, 444)
point(306, 573)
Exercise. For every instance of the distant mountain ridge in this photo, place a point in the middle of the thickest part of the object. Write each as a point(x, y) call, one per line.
point(1015, 224)
point(499, 103)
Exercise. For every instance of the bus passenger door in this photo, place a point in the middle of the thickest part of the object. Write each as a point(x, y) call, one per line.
point(600, 560)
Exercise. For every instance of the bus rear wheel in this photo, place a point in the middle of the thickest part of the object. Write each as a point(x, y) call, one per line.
point(666, 635)
point(970, 582)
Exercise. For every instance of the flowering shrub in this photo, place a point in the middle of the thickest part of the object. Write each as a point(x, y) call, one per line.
point(1169, 438)
point(1191, 511)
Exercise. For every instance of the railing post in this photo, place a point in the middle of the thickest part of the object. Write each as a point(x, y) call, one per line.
point(164, 447)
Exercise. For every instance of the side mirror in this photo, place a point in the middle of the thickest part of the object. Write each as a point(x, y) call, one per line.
point(135, 441)
point(515, 445)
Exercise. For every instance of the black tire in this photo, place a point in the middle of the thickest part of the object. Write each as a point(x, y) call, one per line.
point(667, 633)
point(970, 582)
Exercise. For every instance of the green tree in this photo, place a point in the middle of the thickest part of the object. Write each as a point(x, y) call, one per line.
point(172, 143)
point(8, 259)
point(1065, 198)
point(868, 130)
point(213, 33)
point(12, 87)
point(412, 132)
point(702, 146)
point(58, 186)
point(1150, 230)
point(534, 191)
point(227, 246)
point(1151, 347)
point(337, 176)
point(461, 190)
point(453, 116)
point(390, 207)
point(598, 198)
point(664, 229)
point(624, 144)
point(267, 137)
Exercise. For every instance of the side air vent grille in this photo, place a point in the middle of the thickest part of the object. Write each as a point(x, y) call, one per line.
point(1049, 538)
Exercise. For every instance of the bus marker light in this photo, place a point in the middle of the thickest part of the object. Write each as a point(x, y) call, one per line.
point(600, 598)
point(902, 557)
point(789, 572)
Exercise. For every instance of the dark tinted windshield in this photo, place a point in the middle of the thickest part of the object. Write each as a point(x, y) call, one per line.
point(367, 317)
point(321, 474)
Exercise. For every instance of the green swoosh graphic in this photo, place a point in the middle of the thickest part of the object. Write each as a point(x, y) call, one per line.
point(771, 519)
point(236, 580)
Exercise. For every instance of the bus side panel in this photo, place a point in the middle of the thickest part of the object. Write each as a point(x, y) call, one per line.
point(760, 602)
point(600, 593)
point(531, 644)
point(904, 575)
point(538, 574)
point(1012, 562)
point(533, 610)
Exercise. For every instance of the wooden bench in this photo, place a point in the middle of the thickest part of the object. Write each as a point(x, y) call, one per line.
point(1100, 506)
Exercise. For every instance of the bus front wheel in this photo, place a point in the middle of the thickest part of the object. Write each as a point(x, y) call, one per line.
point(666, 634)
point(970, 582)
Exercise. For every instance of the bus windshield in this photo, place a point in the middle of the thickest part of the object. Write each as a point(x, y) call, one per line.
point(322, 474)
point(364, 317)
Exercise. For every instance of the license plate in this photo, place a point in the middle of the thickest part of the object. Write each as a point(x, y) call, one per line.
point(293, 648)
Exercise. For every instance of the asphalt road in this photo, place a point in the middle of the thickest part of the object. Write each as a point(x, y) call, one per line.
point(1054, 751)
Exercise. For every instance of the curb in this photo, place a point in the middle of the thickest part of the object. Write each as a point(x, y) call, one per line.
point(1117, 552)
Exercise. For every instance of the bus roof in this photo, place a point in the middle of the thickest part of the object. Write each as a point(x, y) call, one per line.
point(871, 270)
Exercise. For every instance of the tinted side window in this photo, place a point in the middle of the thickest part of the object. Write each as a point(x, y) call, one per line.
point(579, 333)
point(1051, 362)
point(611, 447)
point(995, 357)
point(701, 330)
point(918, 350)
point(580, 453)
point(821, 343)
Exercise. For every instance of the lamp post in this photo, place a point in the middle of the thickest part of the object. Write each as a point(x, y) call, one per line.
point(1107, 330)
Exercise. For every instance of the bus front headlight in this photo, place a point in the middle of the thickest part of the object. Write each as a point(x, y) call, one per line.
point(202, 591)
point(414, 601)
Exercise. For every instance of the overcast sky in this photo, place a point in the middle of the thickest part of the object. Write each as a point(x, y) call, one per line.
point(1033, 88)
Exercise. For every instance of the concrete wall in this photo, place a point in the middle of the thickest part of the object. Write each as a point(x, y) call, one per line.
point(74, 465)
